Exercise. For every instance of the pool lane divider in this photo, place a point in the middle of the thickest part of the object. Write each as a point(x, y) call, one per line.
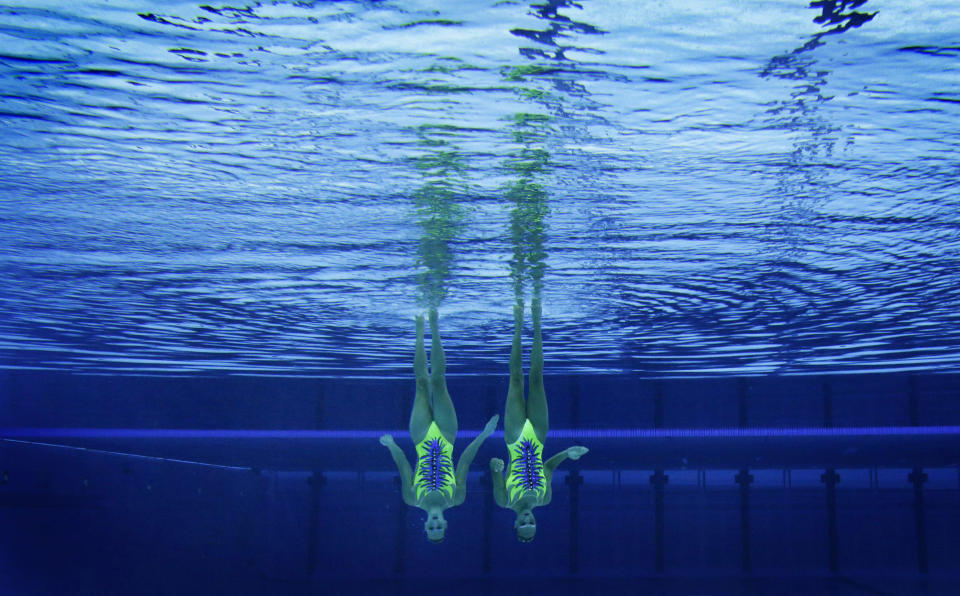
point(561, 433)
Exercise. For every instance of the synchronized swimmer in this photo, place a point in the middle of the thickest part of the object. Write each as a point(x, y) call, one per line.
point(435, 486)
point(525, 422)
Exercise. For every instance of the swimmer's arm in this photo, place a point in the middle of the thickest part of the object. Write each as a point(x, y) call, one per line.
point(403, 466)
point(499, 486)
point(466, 458)
point(571, 452)
point(551, 465)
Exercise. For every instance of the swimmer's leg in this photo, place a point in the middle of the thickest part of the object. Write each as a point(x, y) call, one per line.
point(421, 416)
point(537, 400)
point(515, 412)
point(443, 411)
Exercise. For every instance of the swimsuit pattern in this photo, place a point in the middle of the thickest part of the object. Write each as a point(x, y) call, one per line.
point(434, 465)
point(525, 475)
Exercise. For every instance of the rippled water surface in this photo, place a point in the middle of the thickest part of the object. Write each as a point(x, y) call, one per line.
point(699, 188)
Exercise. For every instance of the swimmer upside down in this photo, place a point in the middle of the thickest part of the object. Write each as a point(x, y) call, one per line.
point(434, 486)
point(528, 478)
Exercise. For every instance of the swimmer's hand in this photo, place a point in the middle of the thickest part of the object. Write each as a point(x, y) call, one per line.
point(576, 451)
point(386, 440)
point(496, 465)
point(491, 425)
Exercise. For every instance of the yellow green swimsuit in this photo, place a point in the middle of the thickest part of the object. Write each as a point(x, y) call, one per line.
point(434, 465)
point(525, 475)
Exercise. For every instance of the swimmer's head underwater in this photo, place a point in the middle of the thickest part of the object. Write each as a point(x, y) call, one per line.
point(525, 526)
point(435, 526)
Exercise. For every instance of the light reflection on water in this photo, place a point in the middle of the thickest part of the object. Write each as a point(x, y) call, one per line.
point(278, 189)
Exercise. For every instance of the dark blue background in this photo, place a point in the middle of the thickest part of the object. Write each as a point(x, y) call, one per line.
point(323, 516)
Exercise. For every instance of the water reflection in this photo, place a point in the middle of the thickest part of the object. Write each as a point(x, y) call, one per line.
point(802, 186)
point(838, 13)
point(547, 84)
point(682, 214)
point(561, 27)
point(798, 65)
point(529, 200)
point(439, 209)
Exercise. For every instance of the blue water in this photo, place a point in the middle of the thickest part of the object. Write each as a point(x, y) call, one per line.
point(218, 222)
point(729, 189)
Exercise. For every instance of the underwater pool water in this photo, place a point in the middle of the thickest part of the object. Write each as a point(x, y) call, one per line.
point(218, 222)
point(701, 188)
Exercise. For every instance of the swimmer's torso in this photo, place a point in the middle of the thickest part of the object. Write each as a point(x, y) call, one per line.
point(434, 472)
point(525, 475)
